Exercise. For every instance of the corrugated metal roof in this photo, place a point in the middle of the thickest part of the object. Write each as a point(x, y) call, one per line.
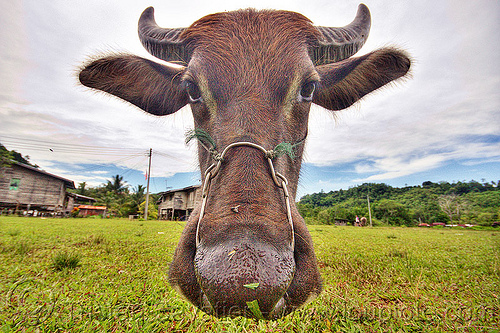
point(91, 207)
point(180, 189)
point(83, 197)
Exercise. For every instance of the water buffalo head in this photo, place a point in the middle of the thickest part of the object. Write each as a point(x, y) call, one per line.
point(250, 78)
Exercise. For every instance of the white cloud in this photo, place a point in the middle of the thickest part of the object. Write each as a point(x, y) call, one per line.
point(396, 167)
point(429, 120)
point(412, 127)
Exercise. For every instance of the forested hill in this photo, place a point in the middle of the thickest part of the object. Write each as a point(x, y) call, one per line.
point(451, 203)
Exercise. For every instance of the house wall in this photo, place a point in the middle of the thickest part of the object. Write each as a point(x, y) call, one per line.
point(178, 203)
point(194, 198)
point(31, 188)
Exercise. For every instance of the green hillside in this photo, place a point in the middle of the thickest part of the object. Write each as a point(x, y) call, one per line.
point(451, 203)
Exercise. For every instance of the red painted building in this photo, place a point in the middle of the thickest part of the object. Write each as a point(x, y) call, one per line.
point(87, 210)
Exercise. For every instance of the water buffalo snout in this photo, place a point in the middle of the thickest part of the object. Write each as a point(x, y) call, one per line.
point(244, 278)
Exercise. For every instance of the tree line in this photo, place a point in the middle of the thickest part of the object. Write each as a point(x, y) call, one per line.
point(6, 156)
point(120, 199)
point(462, 202)
point(467, 202)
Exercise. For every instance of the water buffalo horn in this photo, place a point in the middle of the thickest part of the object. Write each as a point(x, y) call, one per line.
point(163, 43)
point(335, 45)
point(341, 43)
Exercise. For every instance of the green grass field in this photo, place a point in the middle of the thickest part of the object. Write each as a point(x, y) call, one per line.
point(87, 275)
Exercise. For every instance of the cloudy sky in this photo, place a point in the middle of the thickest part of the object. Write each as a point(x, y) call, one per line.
point(441, 124)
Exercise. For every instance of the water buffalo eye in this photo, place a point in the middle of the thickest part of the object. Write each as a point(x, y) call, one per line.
point(193, 92)
point(307, 91)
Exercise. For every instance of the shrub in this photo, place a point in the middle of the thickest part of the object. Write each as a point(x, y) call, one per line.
point(64, 260)
point(22, 248)
point(96, 240)
point(13, 233)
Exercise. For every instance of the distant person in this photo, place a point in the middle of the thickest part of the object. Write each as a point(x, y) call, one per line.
point(356, 223)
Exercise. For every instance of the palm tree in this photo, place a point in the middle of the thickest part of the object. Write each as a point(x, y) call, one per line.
point(82, 188)
point(117, 185)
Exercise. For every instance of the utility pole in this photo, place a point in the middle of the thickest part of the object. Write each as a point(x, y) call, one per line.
point(147, 187)
point(369, 210)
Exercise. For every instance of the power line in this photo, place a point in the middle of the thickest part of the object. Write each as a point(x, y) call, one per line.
point(135, 167)
point(58, 147)
point(37, 141)
point(114, 162)
point(124, 154)
point(66, 148)
point(171, 157)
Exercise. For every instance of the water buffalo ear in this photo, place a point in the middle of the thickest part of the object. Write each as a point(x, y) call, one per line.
point(344, 83)
point(153, 87)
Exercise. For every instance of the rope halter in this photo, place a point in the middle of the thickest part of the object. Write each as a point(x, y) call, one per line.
point(278, 179)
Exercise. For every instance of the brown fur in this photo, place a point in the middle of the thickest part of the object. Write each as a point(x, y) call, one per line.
point(249, 66)
point(352, 79)
point(137, 81)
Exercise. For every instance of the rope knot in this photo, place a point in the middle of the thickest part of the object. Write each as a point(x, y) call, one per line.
point(271, 154)
point(215, 154)
point(284, 148)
